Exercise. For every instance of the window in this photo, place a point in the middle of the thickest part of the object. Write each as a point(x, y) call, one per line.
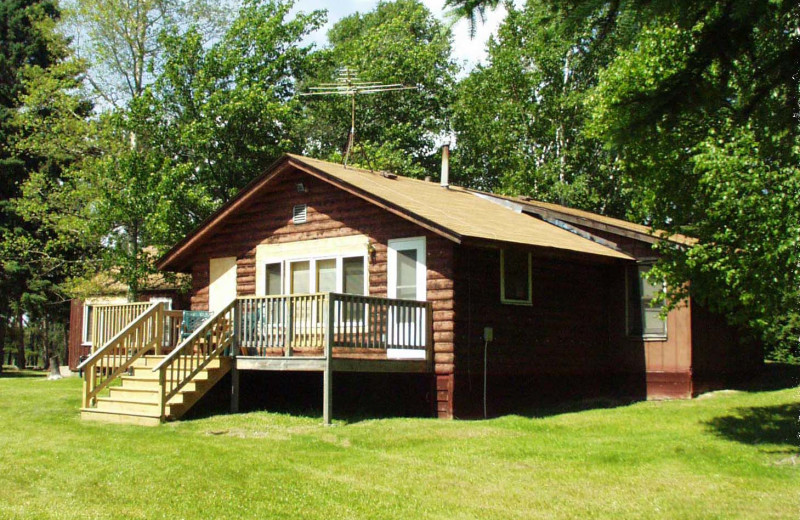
point(406, 268)
point(515, 277)
point(166, 301)
point(316, 275)
point(353, 283)
point(299, 282)
point(353, 275)
point(407, 274)
point(88, 313)
point(274, 278)
point(644, 312)
point(326, 275)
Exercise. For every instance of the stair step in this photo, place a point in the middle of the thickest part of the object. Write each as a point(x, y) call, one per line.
point(147, 372)
point(136, 400)
point(93, 414)
point(149, 396)
point(153, 361)
point(148, 361)
point(142, 383)
point(107, 404)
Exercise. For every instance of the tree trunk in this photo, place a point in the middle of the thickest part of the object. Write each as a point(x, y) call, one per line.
point(46, 359)
point(54, 372)
point(21, 341)
point(2, 342)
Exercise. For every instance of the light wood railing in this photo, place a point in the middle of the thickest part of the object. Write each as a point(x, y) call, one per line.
point(172, 329)
point(267, 324)
point(208, 342)
point(108, 319)
point(107, 363)
point(275, 325)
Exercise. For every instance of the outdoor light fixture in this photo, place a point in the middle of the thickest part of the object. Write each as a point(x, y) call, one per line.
point(301, 188)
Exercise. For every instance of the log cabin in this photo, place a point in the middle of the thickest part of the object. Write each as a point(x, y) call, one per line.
point(501, 303)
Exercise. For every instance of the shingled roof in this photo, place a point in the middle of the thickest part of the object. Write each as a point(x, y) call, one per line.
point(453, 212)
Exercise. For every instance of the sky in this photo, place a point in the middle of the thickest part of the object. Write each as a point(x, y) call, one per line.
point(468, 51)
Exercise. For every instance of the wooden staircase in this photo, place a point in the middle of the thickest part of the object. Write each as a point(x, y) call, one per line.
point(136, 399)
point(128, 381)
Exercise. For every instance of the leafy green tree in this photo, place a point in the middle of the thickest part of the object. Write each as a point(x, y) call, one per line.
point(697, 104)
point(27, 271)
point(472, 10)
point(702, 106)
point(520, 120)
point(228, 110)
point(122, 39)
point(397, 43)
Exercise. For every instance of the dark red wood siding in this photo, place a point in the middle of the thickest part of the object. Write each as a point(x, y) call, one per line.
point(75, 333)
point(570, 337)
point(701, 350)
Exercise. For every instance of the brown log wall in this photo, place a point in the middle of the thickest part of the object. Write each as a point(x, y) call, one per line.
point(572, 335)
point(332, 213)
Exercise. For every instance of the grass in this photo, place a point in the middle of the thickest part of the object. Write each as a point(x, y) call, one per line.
point(725, 455)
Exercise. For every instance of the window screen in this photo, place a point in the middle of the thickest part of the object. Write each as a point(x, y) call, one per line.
point(407, 274)
point(353, 275)
point(274, 280)
point(326, 275)
point(300, 277)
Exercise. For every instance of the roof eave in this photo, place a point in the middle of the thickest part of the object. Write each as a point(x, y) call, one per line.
point(171, 260)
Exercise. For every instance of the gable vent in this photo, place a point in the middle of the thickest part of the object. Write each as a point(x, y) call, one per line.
point(299, 214)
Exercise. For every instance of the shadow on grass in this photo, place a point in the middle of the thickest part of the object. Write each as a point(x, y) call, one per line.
point(15, 373)
point(776, 425)
point(774, 376)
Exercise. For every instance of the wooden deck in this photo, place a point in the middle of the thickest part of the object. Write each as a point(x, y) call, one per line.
point(326, 333)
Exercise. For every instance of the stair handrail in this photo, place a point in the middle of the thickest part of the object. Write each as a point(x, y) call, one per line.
point(141, 339)
point(205, 344)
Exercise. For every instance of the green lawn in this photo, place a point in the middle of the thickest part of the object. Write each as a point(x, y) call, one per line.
point(725, 455)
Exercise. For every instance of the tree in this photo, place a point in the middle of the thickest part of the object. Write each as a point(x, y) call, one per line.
point(520, 120)
point(703, 108)
point(397, 43)
point(122, 39)
point(145, 174)
point(27, 39)
point(228, 110)
point(697, 101)
point(472, 10)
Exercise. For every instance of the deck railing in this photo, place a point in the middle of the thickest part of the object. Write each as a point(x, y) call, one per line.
point(139, 337)
point(208, 342)
point(284, 325)
point(172, 329)
point(106, 320)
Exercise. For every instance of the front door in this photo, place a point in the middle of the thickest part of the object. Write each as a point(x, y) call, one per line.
point(407, 277)
point(222, 282)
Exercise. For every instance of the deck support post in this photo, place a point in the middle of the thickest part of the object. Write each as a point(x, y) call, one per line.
point(327, 375)
point(234, 387)
point(235, 345)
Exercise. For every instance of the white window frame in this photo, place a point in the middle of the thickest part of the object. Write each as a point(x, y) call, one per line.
point(85, 326)
point(163, 299)
point(644, 262)
point(417, 243)
point(509, 301)
point(286, 283)
point(266, 278)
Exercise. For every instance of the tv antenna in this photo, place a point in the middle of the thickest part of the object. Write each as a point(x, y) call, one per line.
point(348, 84)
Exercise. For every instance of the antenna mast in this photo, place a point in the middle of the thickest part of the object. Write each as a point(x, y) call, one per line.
point(348, 84)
